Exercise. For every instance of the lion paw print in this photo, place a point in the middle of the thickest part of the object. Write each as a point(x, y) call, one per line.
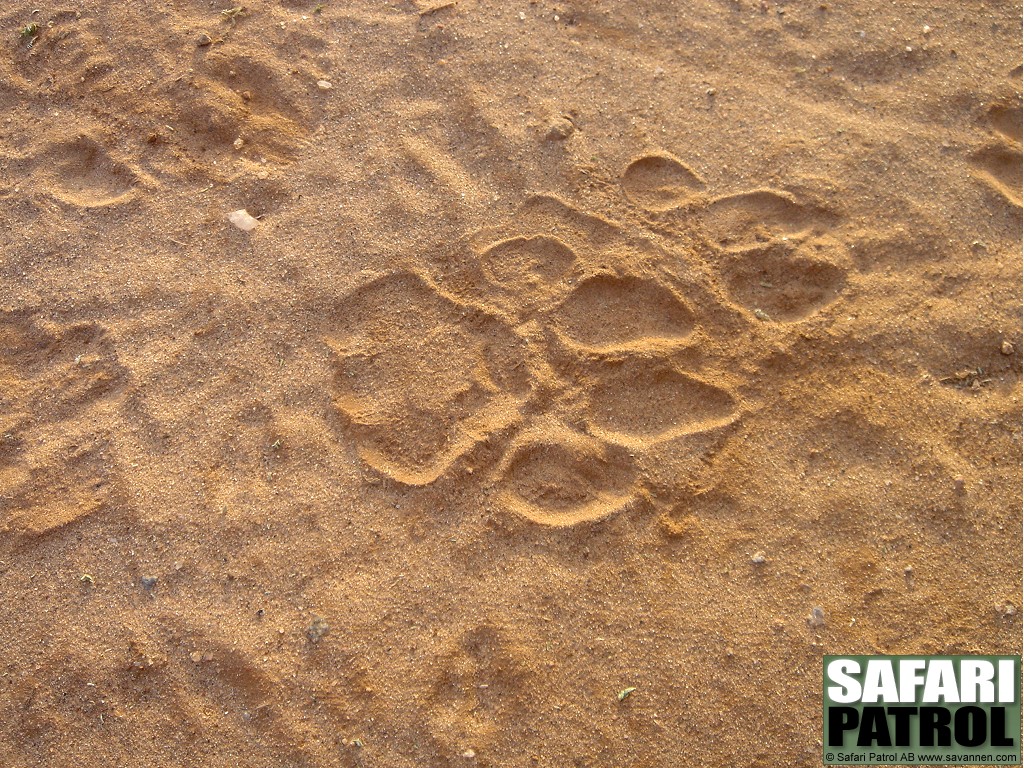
point(567, 357)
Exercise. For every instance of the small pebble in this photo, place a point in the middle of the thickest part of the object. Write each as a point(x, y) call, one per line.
point(317, 630)
point(469, 754)
point(148, 582)
point(1006, 609)
point(758, 558)
point(1006, 348)
point(243, 220)
point(560, 128)
point(817, 617)
point(203, 40)
point(324, 85)
point(239, 143)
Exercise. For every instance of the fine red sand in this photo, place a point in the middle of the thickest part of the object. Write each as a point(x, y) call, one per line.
point(580, 346)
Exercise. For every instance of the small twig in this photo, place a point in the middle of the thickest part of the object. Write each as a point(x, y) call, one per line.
point(436, 8)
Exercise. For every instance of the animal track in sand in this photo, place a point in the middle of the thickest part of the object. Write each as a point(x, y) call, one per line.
point(758, 215)
point(607, 312)
point(1000, 166)
point(82, 173)
point(421, 378)
point(528, 263)
point(1006, 120)
point(781, 282)
point(562, 478)
point(55, 467)
point(637, 403)
point(659, 182)
point(482, 681)
point(73, 53)
point(998, 163)
point(235, 97)
point(568, 349)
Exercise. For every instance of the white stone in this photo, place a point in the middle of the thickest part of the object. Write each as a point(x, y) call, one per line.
point(243, 220)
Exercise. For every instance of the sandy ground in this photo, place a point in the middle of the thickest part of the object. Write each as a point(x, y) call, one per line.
point(580, 346)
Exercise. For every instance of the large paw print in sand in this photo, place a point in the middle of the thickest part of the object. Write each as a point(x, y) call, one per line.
point(59, 383)
point(565, 357)
point(422, 377)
